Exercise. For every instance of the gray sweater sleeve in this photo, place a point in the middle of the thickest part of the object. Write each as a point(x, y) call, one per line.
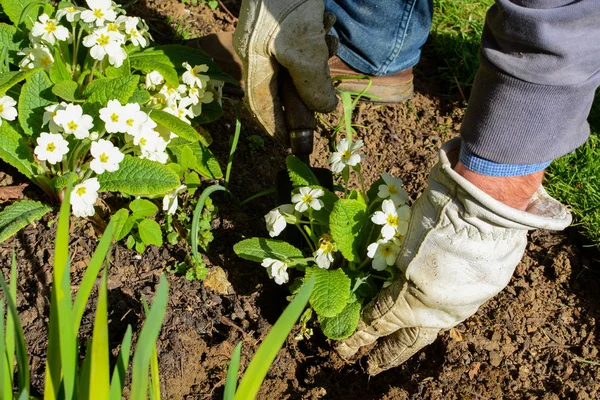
point(540, 68)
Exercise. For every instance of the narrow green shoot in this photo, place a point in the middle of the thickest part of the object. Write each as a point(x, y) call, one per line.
point(118, 379)
point(232, 373)
point(100, 366)
point(234, 143)
point(196, 218)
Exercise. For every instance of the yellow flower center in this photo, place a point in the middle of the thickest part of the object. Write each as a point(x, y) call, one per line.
point(112, 27)
point(143, 142)
point(50, 27)
point(180, 113)
point(81, 191)
point(326, 246)
point(103, 158)
point(392, 189)
point(346, 155)
point(386, 251)
point(51, 147)
point(392, 220)
point(46, 62)
point(133, 32)
point(71, 9)
point(130, 122)
point(114, 117)
point(103, 40)
point(307, 198)
point(98, 13)
point(1, 107)
point(72, 125)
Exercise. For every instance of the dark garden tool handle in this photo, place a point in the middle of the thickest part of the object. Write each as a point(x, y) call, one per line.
point(299, 119)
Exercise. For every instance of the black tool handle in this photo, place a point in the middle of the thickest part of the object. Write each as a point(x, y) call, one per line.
point(300, 120)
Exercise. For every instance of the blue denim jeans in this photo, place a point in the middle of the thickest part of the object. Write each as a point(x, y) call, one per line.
point(381, 37)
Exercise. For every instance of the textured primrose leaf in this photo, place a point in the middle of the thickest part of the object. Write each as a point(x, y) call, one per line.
point(119, 219)
point(150, 232)
point(329, 200)
point(148, 63)
point(18, 215)
point(143, 207)
point(342, 325)
point(257, 249)
point(140, 96)
point(36, 94)
point(300, 173)
point(346, 222)
point(177, 126)
point(62, 181)
point(10, 79)
point(331, 291)
point(15, 151)
point(109, 89)
point(139, 177)
point(14, 10)
point(66, 90)
point(58, 71)
point(197, 157)
point(9, 40)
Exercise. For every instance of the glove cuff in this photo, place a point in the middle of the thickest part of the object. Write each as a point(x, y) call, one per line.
point(543, 211)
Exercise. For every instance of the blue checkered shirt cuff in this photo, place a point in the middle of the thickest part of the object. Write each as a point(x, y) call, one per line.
point(490, 168)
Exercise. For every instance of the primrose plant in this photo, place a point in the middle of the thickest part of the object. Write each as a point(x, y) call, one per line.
point(349, 243)
point(85, 101)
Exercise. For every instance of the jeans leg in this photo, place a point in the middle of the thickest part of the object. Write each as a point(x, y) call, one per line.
point(381, 37)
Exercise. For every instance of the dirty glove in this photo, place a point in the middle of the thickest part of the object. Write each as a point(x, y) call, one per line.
point(461, 249)
point(291, 33)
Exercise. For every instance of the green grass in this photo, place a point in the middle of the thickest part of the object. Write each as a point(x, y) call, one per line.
point(572, 179)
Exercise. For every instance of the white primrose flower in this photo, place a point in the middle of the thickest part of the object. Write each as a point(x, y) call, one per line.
point(103, 42)
point(51, 147)
point(383, 253)
point(72, 13)
point(394, 220)
point(100, 11)
point(8, 111)
point(324, 254)
point(306, 198)
point(276, 219)
point(170, 200)
point(194, 76)
point(345, 155)
point(73, 120)
point(35, 57)
point(152, 145)
point(49, 30)
point(114, 117)
point(196, 98)
point(84, 196)
point(181, 110)
point(277, 270)
point(106, 156)
point(170, 95)
point(153, 79)
point(49, 114)
point(393, 190)
point(135, 118)
point(135, 36)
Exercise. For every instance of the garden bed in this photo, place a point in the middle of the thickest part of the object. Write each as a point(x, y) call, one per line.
point(538, 338)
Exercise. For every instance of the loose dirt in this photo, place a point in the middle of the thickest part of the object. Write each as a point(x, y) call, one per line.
point(537, 339)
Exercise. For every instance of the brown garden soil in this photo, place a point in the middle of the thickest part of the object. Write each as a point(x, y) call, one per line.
point(537, 339)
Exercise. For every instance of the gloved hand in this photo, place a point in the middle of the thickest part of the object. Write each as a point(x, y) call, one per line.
point(461, 249)
point(291, 33)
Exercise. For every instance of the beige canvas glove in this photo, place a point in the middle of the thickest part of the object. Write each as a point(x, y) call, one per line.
point(291, 33)
point(461, 249)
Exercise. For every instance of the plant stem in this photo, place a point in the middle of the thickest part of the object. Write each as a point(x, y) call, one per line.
point(236, 138)
point(362, 184)
point(308, 240)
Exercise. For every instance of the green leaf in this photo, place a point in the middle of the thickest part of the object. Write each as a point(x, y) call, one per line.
point(120, 218)
point(99, 366)
point(140, 96)
point(257, 249)
point(192, 181)
point(210, 112)
point(14, 9)
point(67, 90)
point(35, 94)
point(139, 177)
point(143, 207)
point(58, 70)
point(15, 151)
point(346, 222)
point(374, 189)
point(331, 292)
point(300, 173)
point(10, 79)
point(9, 41)
point(114, 72)
point(119, 373)
point(148, 63)
point(150, 232)
point(197, 157)
point(62, 181)
point(329, 200)
point(18, 215)
point(177, 126)
point(342, 325)
point(232, 373)
point(103, 90)
point(266, 353)
point(146, 342)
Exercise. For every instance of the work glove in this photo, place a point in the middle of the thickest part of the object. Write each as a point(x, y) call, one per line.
point(290, 33)
point(461, 249)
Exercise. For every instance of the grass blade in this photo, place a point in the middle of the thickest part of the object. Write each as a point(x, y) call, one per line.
point(234, 143)
point(67, 338)
point(10, 323)
point(118, 378)
point(259, 194)
point(232, 373)
point(147, 340)
point(266, 353)
point(91, 273)
point(154, 376)
point(22, 359)
point(100, 367)
point(53, 365)
point(5, 379)
point(196, 218)
point(84, 373)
